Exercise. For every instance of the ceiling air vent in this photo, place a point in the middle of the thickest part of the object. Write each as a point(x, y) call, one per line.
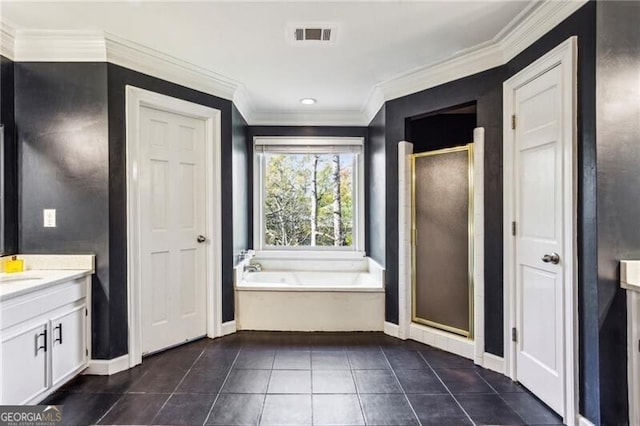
point(313, 33)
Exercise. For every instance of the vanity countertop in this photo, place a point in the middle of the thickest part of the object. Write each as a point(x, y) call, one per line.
point(43, 271)
point(19, 283)
point(630, 274)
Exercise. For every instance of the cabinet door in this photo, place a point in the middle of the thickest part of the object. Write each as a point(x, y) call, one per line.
point(68, 341)
point(24, 364)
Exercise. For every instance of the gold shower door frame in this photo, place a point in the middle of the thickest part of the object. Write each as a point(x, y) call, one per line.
point(414, 317)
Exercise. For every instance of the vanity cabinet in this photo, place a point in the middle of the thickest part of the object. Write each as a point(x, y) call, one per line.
point(44, 340)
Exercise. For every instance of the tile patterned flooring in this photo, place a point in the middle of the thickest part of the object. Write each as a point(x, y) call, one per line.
point(270, 378)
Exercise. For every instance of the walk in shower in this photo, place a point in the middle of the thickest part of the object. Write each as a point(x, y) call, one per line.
point(442, 239)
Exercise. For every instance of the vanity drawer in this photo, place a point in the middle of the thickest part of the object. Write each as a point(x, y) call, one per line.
point(42, 301)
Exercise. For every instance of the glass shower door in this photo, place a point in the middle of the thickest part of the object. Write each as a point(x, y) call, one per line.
point(442, 224)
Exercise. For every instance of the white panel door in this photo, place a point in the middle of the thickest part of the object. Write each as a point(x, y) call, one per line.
point(538, 174)
point(172, 218)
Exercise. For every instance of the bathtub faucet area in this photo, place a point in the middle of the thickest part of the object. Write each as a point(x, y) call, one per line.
point(253, 267)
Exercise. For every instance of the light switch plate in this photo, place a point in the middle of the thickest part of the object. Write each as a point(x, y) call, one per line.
point(49, 218)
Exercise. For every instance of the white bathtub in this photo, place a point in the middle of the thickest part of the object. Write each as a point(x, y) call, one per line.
point(349, 297)
point(309, 281)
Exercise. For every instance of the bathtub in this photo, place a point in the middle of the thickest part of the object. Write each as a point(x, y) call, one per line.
point(311, 296)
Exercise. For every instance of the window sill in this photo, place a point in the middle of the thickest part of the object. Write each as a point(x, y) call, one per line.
point(310, 254)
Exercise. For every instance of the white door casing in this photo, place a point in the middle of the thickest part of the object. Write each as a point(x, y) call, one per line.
point(540, 197)
point(173, 196)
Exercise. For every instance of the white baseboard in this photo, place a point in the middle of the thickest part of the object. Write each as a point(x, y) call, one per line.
point(439, 339)
point(107, 367)
point(583, 421)
point(493, 362)
point(228, 327)
point(391, 329)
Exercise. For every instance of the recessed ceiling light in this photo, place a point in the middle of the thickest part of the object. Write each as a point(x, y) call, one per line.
point(307, 101)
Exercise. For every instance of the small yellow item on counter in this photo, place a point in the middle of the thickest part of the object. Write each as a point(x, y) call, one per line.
point(13, 265)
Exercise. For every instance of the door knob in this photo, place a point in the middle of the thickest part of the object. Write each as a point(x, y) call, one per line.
point(551, 258)
point(201, 238)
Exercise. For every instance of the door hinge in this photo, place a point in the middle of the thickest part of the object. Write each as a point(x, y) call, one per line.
point(514, 228)
point(638, 345)
point(514, 335)
point(86, 312)
point(86, 352)
point(513, 121)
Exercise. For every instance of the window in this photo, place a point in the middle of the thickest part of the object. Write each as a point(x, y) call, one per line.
point(309, 194)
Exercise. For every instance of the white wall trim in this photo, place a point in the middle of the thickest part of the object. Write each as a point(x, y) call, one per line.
point(449, 342)
point(102, 367)
point(534, 25)
point(135, 99)
point(583, 421)
point(98, 46)
point(60, 46)
point(391, 329)
point(463, 64)
point(564, 56)
point(405, 251)
point(7, 41)
point(316, 118)
point(478, 244)
point(228, 327)
point(493, 362)
point(157, 64)
point(90, 46)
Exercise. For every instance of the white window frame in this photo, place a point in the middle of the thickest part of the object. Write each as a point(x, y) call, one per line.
point(313, 143)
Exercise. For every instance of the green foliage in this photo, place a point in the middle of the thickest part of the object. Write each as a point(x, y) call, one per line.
point(288, 196)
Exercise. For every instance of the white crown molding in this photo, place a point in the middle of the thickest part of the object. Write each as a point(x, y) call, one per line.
point(91, 46)
point(157, 64)
point(459, 66)
point(59, 46)
point(97, 46)
point(315, 118)
point(534, 25)
point(523, 30)
point(374, 103)
point(242, 101)
point(7, 41)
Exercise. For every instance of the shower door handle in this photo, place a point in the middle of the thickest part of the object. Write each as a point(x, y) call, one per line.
point(551, 258)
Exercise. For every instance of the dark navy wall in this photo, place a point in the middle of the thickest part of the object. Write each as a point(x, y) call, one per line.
point(376, 208)
point(8, 168)
point(618, 177)
point(120, 77)
point(63, 151)
point(71, 136)
point(604, 236)
point(242, 197)
point(441, 131)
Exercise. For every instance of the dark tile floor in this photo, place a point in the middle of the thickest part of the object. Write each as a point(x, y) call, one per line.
point(252, 378)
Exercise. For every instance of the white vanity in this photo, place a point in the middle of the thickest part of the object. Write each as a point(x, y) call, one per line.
point(630, 280)
point(45, 329)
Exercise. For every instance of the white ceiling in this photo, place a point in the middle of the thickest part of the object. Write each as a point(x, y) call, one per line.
point(247, 41)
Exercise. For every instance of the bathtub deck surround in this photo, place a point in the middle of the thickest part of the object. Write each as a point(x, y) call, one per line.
point(310, 295)
point(252, 378)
